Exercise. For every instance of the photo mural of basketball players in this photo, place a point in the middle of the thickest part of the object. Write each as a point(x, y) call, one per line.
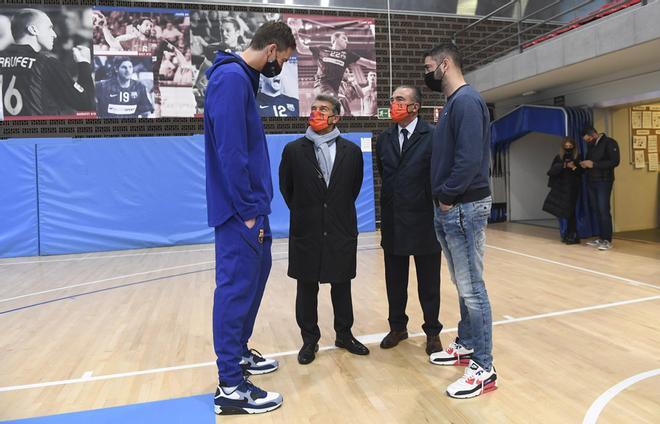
point(45, 63)
point(216, 30)
point(278, 96)
point(327, 47)
point(120, 92)
point(160, 34)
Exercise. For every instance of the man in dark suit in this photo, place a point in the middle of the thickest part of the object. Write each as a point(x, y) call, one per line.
point(320, 179)
point(403, 155)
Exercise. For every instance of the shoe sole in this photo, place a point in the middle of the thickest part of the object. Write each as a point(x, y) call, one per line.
point(232, 410)
point(261, 372)
point(489, 387)
point(342, 346)
point(461, 361)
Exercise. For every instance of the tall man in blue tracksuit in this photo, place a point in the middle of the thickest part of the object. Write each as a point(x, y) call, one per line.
point(461, 191)
point(238, 194)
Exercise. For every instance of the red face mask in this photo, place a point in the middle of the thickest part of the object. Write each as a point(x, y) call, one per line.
point(318, 121)
point(399, 111)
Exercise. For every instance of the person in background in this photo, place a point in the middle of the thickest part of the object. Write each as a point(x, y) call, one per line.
point(601, 159)
point(369, 93)
point(564, 186)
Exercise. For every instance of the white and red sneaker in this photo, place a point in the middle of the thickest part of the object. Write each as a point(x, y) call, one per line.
point(475, 381)
point(456, 354)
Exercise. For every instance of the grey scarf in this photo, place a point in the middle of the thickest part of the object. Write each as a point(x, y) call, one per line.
point(322, 145)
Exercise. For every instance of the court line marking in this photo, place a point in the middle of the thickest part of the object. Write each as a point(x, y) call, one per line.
point(89, 283)
point(127, 255)
point(367, 339)
point(578, 268)
point(599, 404)
point(85, 258)
point(509, 317)
point(119, 277)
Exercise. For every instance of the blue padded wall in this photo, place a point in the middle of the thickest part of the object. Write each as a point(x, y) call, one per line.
point(123, 193)
point(119, 193)
point(19, 233)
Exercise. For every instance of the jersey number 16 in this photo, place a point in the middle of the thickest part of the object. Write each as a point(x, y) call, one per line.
point(12, 100)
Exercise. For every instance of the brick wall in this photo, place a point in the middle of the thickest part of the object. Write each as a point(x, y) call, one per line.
point(411, 35)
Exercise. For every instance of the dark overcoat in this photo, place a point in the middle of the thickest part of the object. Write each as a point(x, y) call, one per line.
point(564, 186)
point(406, 203)
point(323, 221)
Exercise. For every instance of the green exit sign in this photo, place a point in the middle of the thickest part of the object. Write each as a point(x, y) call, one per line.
point(383, 113)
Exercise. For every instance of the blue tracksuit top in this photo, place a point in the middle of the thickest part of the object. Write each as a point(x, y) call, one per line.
point(238, 179)
point(460, 157)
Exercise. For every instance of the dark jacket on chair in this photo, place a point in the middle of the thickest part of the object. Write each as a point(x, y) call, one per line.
point(406, 202)
point(323, 221)
point(564, 189)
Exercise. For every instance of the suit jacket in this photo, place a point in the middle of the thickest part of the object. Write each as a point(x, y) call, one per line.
point(406, 202)
point(323, 221)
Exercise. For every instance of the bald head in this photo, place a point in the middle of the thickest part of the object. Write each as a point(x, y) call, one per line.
point(33, 27)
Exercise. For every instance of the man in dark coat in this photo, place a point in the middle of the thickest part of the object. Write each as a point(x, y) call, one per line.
point(602, 158)
point(403, 156)
point(320, 179)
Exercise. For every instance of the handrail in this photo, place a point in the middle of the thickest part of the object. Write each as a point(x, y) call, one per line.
point(520, 32)
point(475, 23)
point(520, 43)
point(467, 48)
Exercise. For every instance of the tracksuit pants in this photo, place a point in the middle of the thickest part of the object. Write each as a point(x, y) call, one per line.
point(242, 265)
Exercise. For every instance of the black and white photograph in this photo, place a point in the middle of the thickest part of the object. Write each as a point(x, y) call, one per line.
point(136, 31)
point(212, 31)
point(163, 35)
point(124, 87)
point(335, 57)
point(278, 96)
point(45, 63)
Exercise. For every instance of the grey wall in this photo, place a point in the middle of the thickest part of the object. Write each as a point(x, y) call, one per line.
point(529, 160)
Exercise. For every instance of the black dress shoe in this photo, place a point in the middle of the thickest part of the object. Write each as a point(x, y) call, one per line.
point(572, 240)
point(352, 345)
point(433, 344)
point(306, 354)
point(393, 338)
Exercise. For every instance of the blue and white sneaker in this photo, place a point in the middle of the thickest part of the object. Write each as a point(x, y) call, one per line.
point(255, 363)
point(246, 398)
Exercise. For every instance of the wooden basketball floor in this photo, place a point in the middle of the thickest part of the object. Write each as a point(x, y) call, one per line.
point(576, 336)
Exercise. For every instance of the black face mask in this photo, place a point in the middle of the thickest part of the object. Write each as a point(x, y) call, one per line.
point(271, 69)
point(432, 83)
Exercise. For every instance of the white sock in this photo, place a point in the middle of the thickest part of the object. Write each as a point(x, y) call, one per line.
point(228, 389)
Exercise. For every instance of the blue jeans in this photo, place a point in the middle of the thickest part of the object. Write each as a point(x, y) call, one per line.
point(461, 232)
point(599, 197)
